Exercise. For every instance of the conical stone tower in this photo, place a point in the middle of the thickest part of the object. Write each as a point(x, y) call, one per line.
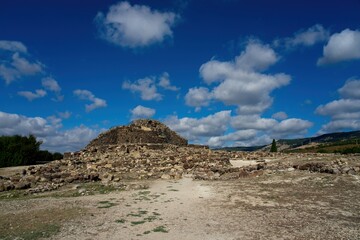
point(139, 132)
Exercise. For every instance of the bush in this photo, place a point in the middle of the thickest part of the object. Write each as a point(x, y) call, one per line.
point(349, 150)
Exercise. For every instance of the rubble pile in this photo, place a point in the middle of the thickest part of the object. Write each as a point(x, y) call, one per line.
point(147, 149)
point(113, 163)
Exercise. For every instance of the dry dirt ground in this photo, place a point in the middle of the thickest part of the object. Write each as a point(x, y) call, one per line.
point(277, 205)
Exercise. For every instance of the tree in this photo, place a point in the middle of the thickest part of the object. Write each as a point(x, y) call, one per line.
point(273, 146)
point(21, 150)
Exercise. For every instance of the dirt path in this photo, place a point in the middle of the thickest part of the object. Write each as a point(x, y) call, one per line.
point(284, 205)
point(168, 209)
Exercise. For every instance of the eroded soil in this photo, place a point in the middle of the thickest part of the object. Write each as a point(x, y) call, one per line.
point(276, 205)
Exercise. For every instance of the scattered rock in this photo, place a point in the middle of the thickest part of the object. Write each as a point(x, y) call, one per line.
point(147, 149)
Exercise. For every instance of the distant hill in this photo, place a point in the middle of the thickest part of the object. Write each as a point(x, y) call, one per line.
point(343, 142)
point(325, 138)
point(244, 149)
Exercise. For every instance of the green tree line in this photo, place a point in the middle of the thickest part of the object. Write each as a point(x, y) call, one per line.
point(23, 150)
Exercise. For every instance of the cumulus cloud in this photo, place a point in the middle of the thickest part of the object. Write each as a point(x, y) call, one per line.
point(256, 57)
point(222, 129)
point(13, 46)
point(39, 93)
point(241, 83)
point(291, 127)
point(351, 89)
point(24, 66)
point(340, 125)
point(87, 95)
point(308, 37)
point(19, 67)
point(238, 136)
point(271, 127)
point(242, 122)
point(52, 85)
point(146, 87)
point(338, 108)
point(164, 82)
point(198, 97)
point(142, 112)
point(249, 91)
point(11, 124)
point(280, 115)
point(193, 128)
point(342, 46)
point(48, 131)
point(344, 112)
point(15, 62)
point(70, 140)
point(134, 26)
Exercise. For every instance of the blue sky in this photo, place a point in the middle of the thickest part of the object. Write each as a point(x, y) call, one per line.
point(222, 73)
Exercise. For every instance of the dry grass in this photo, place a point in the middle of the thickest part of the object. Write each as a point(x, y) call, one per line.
point(34, 224)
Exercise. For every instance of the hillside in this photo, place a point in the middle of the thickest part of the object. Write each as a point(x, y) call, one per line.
point(342, 142)
point(325, 138)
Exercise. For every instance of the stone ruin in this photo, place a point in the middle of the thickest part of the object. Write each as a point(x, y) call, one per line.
point(147, 149)
point(138, 132)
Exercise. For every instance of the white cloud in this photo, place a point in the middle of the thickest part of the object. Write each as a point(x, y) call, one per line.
point(198, 97)
point(13, 46)
point(11, 124)
point(146, 87)
point(134, 26)
point(39, 93)
point(243, 122)
point(19, 67)
point(342, 46)
point(238, 136)
point(309, 37)
point(193, 129)
point(259, 140)
point(256, 57)
point(216, 71)
point(291, 127)
point(87, 95)
point(351, 89)
point(249, 90)
point(24, 66)
point(339, 107)
point(51, 84)
point(142, 112)
point(240, 84)
point(344, 112)
point(340, 125)
point(48, 131)
point(9, 74)
point(64, 115)
point(70, 140)
point(280, 115)
point(164, 82)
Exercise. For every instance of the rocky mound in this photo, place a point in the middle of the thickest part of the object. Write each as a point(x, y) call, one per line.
point(138, 132)
point(147, 149)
